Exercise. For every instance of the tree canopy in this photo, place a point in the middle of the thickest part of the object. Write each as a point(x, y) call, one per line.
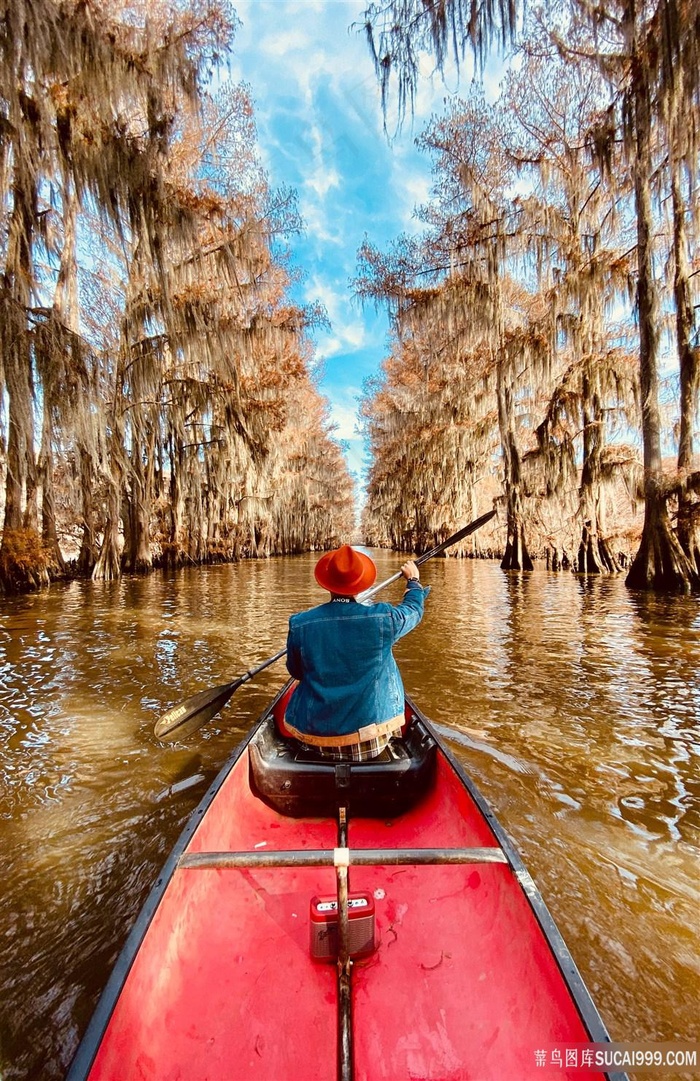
point(159, 395)
point(537, 299)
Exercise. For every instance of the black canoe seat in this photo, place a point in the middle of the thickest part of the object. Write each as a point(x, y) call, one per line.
point(299, 783)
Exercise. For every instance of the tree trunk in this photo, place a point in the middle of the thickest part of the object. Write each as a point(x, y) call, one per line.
point(22, 559)
point(30, 520)
point(137, 520)
point(689, 366)
point(88, 554)
point(516, 556)
point(660, 563)
point(137, 551)
point(137, 558)
point(66, 303)
point(108, 565)
point(196, 551)
point(172, 550)
point(594, 555)
point(20, 429)
point(57, 564)
point(67, 318)
point(16, 355)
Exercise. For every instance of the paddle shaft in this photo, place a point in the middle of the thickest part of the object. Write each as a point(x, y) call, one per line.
point(443, 546)
point(254, 671)
point(195, 711)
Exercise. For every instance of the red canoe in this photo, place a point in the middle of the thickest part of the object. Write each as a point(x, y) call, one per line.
point(450, 966)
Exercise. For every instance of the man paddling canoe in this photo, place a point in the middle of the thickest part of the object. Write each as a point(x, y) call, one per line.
point(350, 697)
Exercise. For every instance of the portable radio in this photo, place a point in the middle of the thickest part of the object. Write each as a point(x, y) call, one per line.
point(324, 926)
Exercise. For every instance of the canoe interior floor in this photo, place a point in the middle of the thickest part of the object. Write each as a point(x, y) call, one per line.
point(462, 983)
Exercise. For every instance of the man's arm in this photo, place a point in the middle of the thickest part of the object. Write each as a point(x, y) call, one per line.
point(408, 613)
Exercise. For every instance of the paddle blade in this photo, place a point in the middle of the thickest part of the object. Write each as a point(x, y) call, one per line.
point(181, 721)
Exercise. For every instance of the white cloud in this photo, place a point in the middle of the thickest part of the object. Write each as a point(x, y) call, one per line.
point(348, 330)
point(285, 42)
point(417, 187)
point(331, 298)
point(320, 225)
point(410, 183)
point(345, 419)
point(346, 338)
point(323, 177)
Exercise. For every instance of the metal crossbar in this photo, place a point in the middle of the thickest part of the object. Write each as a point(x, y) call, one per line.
point(358, 857)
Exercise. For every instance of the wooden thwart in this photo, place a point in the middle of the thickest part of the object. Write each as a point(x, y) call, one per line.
point(358, 857)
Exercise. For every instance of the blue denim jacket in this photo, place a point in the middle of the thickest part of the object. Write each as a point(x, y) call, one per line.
point(341, 652)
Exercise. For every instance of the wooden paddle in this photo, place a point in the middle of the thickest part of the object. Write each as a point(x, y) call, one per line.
point(181, 721)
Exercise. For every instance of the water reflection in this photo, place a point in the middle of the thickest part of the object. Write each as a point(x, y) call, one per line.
point(572, 702)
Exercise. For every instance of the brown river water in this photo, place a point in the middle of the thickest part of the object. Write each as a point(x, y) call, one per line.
point(574, 704)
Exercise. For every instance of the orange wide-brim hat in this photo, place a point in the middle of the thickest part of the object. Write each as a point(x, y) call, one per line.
point(345, 571)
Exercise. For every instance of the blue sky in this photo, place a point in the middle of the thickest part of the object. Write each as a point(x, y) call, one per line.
point(320, 130)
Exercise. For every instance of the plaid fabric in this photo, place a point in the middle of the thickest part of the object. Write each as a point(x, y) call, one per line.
point(356, 752)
